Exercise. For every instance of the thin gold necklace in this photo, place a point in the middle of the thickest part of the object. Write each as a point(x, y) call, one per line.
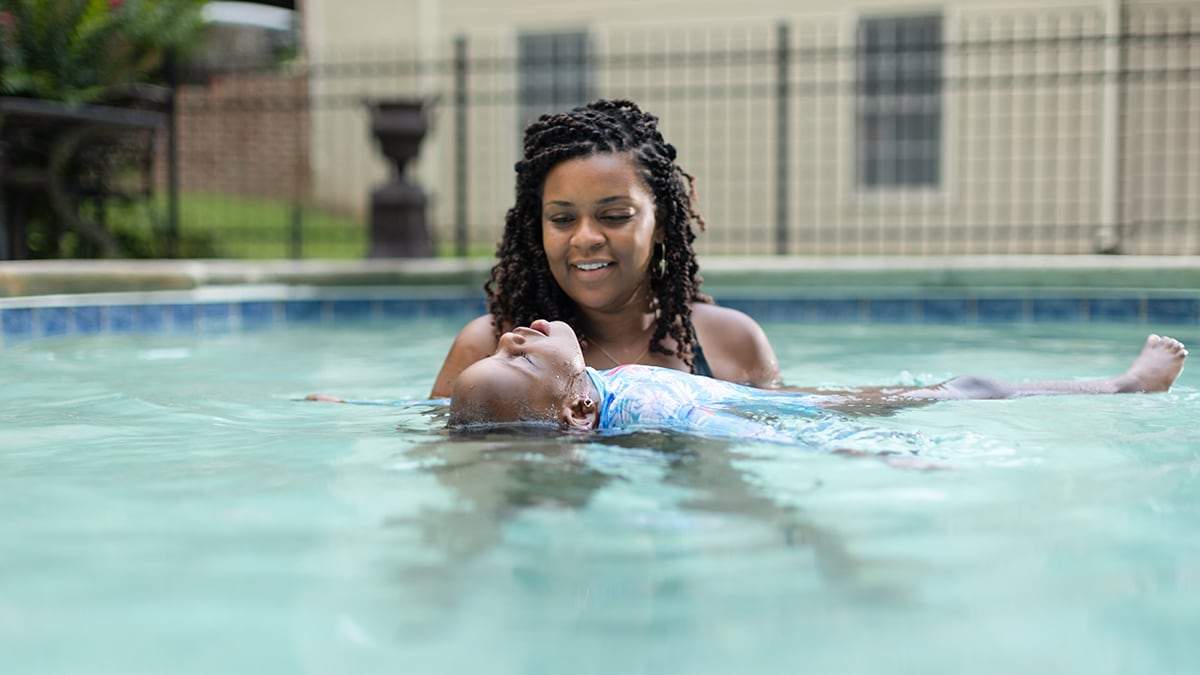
point(615, 360)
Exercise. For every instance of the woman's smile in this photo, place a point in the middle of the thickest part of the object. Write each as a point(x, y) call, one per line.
point(598, 230)
point(592, 272)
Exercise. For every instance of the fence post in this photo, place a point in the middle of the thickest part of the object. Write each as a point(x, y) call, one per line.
point(296, 231)
point(783, 117)
point(299, 187)
point(1108, 235)
point(172, 73)
point(4, 235)
point(460, 146)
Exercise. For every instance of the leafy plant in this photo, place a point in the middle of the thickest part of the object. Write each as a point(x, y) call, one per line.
point(73, 50)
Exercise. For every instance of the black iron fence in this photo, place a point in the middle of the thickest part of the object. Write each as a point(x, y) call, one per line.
point(1045, 131)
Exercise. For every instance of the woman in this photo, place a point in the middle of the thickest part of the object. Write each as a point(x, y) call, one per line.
point(601, 238)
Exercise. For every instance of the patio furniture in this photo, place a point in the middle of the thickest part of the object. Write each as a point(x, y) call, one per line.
point(77, 159)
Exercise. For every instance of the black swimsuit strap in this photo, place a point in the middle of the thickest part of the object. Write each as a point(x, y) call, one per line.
point(699, 363)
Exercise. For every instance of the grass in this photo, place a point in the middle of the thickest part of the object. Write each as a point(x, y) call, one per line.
point(248, 228)
point(232, 227)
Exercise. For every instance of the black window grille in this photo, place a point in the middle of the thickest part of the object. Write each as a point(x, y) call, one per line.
point(899, 102)
point(555, 73)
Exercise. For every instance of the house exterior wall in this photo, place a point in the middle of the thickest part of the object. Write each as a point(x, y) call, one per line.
point(1159, 157)
point(1026, 114)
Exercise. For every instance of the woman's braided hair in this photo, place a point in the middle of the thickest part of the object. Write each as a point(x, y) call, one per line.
point(522, 289)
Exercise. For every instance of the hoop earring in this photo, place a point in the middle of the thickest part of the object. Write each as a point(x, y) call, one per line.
point(660, 252)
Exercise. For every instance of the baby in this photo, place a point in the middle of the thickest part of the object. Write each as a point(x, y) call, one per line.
point(537, 375)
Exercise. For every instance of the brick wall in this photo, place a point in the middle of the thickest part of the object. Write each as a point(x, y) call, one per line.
point(245, 135)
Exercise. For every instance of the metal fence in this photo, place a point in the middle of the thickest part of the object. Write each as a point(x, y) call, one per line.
point(1000, 132)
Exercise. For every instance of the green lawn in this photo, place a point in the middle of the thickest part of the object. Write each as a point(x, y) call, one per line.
point(222, 226)
point(241, 227)
point(248, 228)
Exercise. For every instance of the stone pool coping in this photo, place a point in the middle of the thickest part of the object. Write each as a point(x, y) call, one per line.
point(50, 299)
point(772, 276)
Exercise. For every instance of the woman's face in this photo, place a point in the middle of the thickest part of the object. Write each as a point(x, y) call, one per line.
point(599, 230)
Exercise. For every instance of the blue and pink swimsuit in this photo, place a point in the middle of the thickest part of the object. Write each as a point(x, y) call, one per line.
point(636, 397)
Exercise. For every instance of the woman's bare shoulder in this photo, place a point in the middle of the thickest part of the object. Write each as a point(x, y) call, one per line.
point(722, 319)
point(735, 346)
point(481, 329)
point(476, 340)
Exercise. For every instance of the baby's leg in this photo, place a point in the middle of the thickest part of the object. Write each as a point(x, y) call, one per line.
point(1155, 369)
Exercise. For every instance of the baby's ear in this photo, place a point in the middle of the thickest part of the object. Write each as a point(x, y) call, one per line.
point(580, 412)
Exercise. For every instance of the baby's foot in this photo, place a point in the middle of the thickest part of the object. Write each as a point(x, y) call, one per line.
point(1156, 368)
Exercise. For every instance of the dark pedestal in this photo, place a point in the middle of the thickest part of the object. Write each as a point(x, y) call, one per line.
point(398, 227)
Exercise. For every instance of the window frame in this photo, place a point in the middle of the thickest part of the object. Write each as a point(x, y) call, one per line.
point(564, 61)
point(893, 103)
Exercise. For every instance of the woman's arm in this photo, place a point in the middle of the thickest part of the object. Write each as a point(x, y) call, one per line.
point(736, 347)
point(477, 340)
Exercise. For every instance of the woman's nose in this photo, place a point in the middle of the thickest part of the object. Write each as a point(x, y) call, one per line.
point(588, 234)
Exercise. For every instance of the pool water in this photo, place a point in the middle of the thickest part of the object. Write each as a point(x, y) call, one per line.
point(168, 505)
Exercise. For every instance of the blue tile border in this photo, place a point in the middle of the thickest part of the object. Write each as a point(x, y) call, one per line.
point(892, 310)
point(1056, 309)
point(1147, 309)
point(1000, 310)
point(257, 314)
point(88, 320)
point(838, 309)
point(89, 315)
point(946, 310)
point(350, 310)
point(17, 324)
point(182, 316)
point(1172, 310)
point(54, 321)
point(302, 311)
point(1116, 309)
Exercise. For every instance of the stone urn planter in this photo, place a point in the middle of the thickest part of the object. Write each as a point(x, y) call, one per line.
point(398, 227)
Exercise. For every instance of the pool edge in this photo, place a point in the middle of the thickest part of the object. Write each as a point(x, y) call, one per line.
point(779, 273)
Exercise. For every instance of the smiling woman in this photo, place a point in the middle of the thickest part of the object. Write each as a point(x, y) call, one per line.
point(598, 232)
point(601, 238)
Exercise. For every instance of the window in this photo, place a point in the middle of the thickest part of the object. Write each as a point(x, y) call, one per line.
point(555, 73)
point(899, 102)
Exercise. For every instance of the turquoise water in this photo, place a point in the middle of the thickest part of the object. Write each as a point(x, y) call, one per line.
point(166, 505)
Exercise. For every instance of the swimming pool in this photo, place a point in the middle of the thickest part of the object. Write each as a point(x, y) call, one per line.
point(169, 506)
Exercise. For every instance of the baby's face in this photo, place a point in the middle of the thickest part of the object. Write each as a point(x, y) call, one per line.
point(527, 380)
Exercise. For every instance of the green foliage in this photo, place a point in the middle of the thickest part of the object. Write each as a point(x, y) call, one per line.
point(72, 50)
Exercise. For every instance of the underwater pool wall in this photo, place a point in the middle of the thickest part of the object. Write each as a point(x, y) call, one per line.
point(48, 299)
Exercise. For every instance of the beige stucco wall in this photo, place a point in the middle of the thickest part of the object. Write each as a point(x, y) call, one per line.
point(1021, 162)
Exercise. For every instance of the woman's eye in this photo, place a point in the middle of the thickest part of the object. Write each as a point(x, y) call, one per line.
point(617, 217)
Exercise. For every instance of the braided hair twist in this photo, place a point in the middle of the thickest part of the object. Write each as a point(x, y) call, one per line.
point(521, 287)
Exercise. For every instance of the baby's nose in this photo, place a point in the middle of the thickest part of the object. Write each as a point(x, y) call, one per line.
point(511, 340)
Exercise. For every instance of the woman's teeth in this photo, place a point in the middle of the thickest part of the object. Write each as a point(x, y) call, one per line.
point(587, 267)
